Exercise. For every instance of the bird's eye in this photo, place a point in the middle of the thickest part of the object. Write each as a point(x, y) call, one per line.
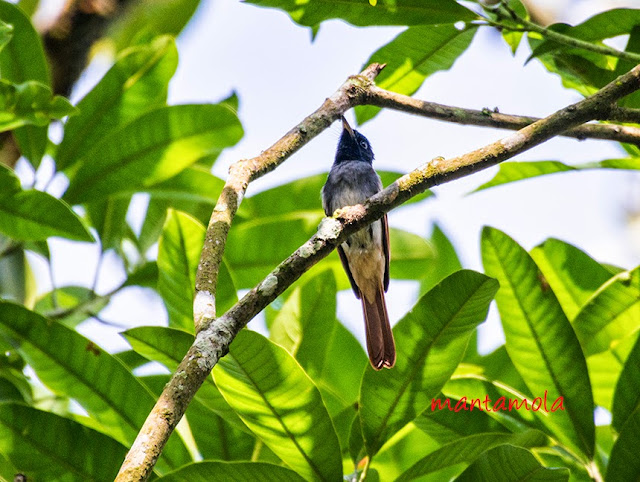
point(363, 144)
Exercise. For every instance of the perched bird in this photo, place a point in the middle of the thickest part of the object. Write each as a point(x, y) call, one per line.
point(365, 254)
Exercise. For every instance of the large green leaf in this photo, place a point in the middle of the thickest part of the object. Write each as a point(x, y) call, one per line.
point(168, 346)
point(30, 103)
point(21, 60)
point(280, 404)
point(136, 83)
point(35, 216)
point(507, 463)
point(16, 278)
point(471, 387)
point(360, 13)
point(306, 326)
point(571, 273)
point(627, 395)
point(468, 449)
point(445, 260)
point(6, 34)
point(611, 314)
point(150, 17)
point(152, 148)
point(71, 305)
point(45, 446)
point(518, 171)
point(540, 341)
point(109, 218)
point(232, 472)
point(624, 463)
point(430, 342)
point(446, 426)
point(195, 184)
point(414, 55)
point(605, 25)
point(178, 257)
point(72, 365)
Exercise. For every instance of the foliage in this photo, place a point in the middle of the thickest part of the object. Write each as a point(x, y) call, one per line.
point(302, 402)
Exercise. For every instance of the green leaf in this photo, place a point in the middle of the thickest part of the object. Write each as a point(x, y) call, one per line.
point(35, 215)
point(445, 426)
point(540, 341)
point(178, 257)
point(136, 83)
point(195, 184)
point(6, 34)
point(30, 103)
point(150, 17)
point(430, 340)
point(231, 472)
point(280, 404)
point(145, 275)
point(168, 346)
point(576, 67)
point(16, 278)
point(361, 14)
point(445, 260)
point(69, 364)
point(611, 314)
point(571, 273)
point(624, 463)
point(216, 437)
point(414, 55)
point(513, 38)
point(152, 148)
point(521, 170)
point(108, 216)
point(507, 463)
point(626, 398)
point(614, 22)
point(71, 305)
point(45, 446)
point(9, 182)
point(21, 60)
point(468, 449)
point(307, 327)
point(471, 387)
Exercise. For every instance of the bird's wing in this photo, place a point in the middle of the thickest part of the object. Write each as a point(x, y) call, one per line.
point(345, 265)
point(386, 251)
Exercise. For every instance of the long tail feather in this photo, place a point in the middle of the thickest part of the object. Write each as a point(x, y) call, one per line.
point(380, 344)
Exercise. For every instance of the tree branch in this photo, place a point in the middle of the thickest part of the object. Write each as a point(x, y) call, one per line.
point(213, 340)
point(243, 172)
point(488, 118)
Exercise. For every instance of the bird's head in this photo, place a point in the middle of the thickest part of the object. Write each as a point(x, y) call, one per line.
point(353, 146)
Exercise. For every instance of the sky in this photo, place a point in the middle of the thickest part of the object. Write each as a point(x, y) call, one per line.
point(281, 76)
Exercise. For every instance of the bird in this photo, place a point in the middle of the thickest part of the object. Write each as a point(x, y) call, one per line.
point(365, 254)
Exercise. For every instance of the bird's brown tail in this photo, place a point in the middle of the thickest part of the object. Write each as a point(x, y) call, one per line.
point(380, 344)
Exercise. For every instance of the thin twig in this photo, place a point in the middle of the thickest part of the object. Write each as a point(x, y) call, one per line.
point(491, 118)
point(213, 340)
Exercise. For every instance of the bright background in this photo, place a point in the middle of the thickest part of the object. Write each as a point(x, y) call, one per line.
point(281, 76)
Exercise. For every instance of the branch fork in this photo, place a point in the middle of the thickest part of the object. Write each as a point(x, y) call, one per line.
point(214, 335)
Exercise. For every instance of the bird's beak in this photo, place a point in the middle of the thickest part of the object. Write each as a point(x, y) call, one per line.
point(347, 127)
